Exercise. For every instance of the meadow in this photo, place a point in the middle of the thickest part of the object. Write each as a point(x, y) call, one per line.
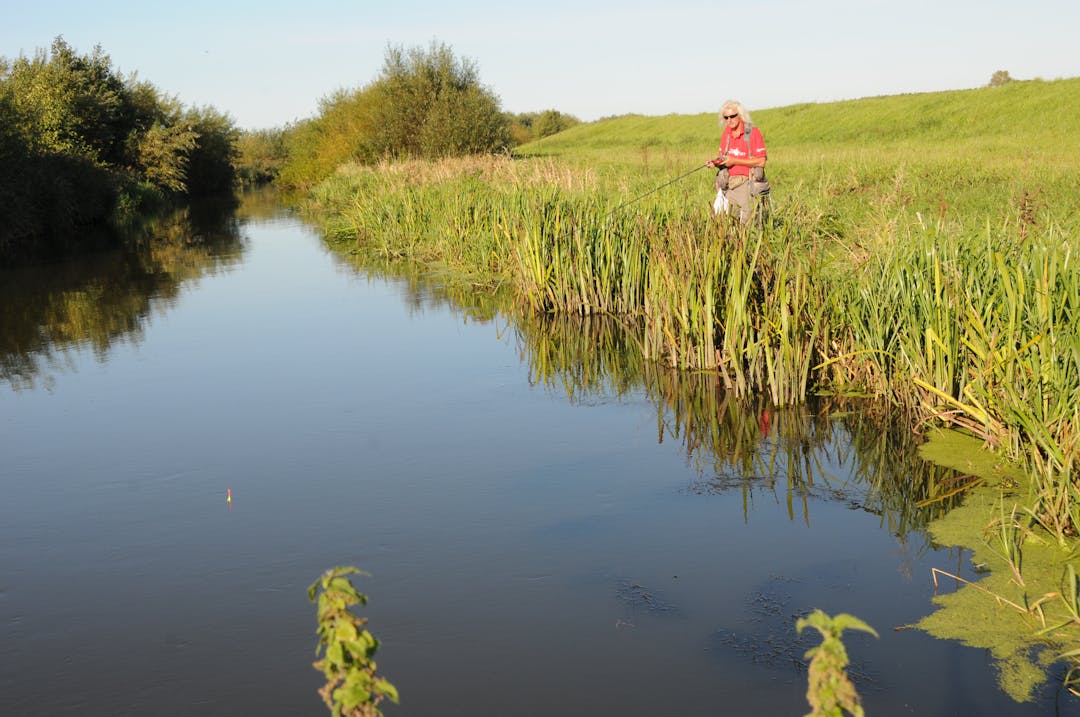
point(919, 249)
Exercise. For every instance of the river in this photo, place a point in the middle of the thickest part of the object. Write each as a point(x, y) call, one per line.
point(193, 429)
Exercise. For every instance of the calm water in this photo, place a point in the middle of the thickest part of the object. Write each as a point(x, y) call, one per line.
point(550, 527)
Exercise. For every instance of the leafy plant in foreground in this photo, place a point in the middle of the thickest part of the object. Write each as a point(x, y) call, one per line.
point(352, 688)
point(831, 691)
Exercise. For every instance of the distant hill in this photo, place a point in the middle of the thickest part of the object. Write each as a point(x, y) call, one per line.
point(1033, 117)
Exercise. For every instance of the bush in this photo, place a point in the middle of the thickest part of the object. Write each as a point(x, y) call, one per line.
point(79, 142)
point(341, 133)
point(530, 126)
point(211, 161)
point(429, 104)
point(44, 197)
point(260, 155)
point(425, 103)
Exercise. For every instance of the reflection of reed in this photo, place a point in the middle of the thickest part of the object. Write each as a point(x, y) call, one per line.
point(423, 286)
point(850, 450)
point(962, 324)
point(95, 301)
point(587, 356)
point(856, 452)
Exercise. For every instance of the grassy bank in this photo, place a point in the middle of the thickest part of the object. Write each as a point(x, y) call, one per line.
point(921, 250)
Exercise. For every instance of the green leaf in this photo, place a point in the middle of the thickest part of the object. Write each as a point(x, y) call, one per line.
point(345, 632)
point(386, 689)
point(843, 621)
point(335, 655)
point(343, 586)
point(817, 620)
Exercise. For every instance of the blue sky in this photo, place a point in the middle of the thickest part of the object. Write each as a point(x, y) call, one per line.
point(268, 63)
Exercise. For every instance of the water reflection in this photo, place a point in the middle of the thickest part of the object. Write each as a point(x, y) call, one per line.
point(264, 204)
point(93, 301)
point(838, 449)
point(842, 449)
point(565, 556)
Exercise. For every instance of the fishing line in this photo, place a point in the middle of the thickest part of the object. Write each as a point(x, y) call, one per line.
point(657, 189)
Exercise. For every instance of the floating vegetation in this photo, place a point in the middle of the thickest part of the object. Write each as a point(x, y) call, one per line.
point(1020, 602)
point(766, 634)
point(638, 599)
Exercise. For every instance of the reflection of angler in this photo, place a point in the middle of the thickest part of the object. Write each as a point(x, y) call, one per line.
point(228, 497)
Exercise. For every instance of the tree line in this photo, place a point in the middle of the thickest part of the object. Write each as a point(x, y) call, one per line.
point(82, 147)
point(424, 103)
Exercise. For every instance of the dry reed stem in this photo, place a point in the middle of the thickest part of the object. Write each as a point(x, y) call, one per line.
point(1000, 600)
point(494, 169)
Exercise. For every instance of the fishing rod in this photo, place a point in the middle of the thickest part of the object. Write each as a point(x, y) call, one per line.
point(657, 189)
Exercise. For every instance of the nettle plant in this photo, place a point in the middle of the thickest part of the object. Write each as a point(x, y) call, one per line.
point(831, 692)
point(347, 647)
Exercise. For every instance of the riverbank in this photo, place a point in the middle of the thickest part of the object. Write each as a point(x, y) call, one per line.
point(935, 277)
point(970, 321)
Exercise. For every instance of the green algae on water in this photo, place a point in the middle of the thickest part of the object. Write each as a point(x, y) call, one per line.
point(1004, 610)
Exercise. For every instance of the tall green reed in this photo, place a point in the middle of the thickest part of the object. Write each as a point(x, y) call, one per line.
point(971, 325)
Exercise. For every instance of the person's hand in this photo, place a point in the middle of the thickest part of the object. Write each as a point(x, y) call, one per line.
point(718, 162)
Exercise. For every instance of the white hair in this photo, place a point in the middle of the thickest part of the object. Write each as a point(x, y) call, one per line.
point(738, 108)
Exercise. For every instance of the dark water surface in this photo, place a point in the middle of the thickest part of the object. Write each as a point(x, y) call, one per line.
point(550, 527)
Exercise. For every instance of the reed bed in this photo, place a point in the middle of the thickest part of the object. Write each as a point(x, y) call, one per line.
point(958, 316)
point(746, 444)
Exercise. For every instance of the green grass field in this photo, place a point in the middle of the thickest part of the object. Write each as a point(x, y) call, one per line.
point(962, 154)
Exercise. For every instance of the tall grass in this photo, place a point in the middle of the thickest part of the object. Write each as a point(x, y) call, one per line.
point(945, 285)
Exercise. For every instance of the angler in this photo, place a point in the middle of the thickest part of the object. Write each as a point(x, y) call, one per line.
point(741, 184)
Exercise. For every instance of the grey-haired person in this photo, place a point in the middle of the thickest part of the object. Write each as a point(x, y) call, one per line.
point(738, 156)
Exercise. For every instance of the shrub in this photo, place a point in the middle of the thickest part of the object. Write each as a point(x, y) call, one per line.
point(430, 104)
point(999, 78)
point(425, 103)
point(260, 155)
point(211, 161)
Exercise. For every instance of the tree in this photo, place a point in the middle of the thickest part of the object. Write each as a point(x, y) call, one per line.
point(552, 121)
point(54, 113)
point(212, 160)
point(82, 145)
point(260, 155)
point(342, 132)
point(529, 126)
point(162, 139)
point(427, 103)
point(999, 78)
point(79, 107)
point(72, 104)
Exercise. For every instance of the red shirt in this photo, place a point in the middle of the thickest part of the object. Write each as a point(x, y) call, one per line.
point(736, 147)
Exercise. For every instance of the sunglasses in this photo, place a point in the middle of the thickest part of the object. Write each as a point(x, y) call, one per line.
point(727, 117)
